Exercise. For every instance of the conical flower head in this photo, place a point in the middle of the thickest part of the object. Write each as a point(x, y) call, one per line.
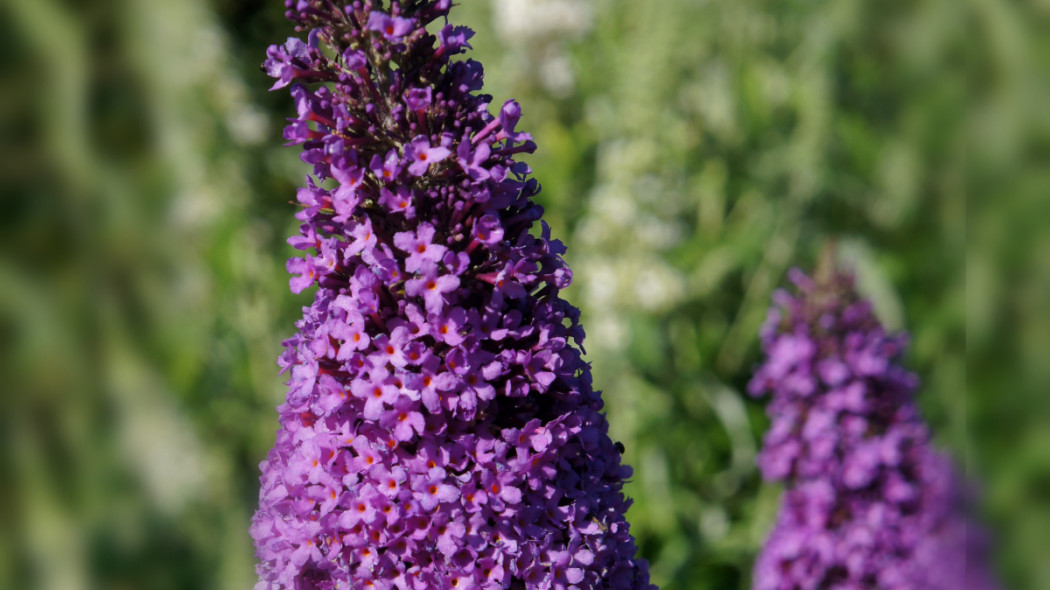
point(869, 503)
point(440, 428)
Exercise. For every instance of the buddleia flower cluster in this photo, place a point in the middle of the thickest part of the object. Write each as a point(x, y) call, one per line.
point(440, 428)
point(869, 503)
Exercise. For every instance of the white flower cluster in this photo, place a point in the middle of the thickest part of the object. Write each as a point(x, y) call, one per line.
point(624, 237)
point(537, 31)
point(527, 20)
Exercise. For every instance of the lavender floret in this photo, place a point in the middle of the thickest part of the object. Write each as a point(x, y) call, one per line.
point(869, 503)
point(440, 428)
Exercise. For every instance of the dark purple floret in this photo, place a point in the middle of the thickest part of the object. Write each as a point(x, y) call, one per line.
point(869, 504)
point(440, 429)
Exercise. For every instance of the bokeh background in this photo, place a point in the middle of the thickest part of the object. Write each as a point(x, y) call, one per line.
point(691, 151)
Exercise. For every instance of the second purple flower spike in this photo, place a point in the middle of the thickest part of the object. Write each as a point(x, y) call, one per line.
point(869, 503)
point(440, 429)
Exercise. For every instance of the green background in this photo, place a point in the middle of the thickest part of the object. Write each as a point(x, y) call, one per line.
point(690, 151)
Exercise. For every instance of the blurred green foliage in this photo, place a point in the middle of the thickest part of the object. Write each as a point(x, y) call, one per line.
point(690, 151)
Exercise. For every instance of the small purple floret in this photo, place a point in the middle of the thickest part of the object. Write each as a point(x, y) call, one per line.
point(420, 155)
point(393, 28)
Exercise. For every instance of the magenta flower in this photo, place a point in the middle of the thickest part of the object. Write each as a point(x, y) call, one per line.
point(419, 247)
point(869, 503)
point(421, 155)
point(440, 429)
point(432, 287)
point(287, 62)
point(393, 28)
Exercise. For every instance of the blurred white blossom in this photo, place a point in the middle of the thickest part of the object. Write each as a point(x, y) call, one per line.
point(526, 20)
point(536, 32)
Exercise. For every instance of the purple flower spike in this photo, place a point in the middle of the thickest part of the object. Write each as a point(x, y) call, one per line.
point(869, 503)
point(440, 429)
